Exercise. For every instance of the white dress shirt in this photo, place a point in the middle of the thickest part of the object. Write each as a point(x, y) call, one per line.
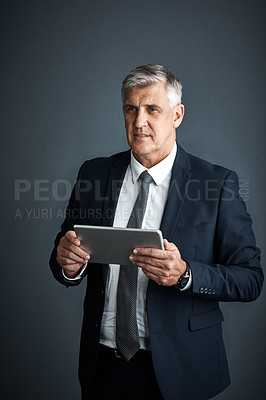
point(158, 191)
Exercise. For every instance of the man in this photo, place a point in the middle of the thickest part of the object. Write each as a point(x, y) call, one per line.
point(209, 256)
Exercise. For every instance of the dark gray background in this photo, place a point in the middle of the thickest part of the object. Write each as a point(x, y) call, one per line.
point(62, 63)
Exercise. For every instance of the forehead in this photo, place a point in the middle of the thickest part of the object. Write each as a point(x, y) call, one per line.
point(155, 93)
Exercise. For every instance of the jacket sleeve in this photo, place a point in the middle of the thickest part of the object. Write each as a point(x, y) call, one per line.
point(71, 218)
point(236, 274)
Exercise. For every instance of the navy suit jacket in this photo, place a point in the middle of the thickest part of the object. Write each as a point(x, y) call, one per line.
point(208, 222)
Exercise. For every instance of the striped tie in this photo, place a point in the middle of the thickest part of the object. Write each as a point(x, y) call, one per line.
point(127, 337)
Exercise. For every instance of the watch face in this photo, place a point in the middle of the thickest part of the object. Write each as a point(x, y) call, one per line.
point(183, 283)
point(183, 280)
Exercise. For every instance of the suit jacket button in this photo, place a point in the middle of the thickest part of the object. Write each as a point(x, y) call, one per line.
point(206, 290)
point(209, 291)
point(201, 290)
point(213, 291)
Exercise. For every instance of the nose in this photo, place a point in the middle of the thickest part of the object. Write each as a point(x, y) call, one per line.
point(141, 119)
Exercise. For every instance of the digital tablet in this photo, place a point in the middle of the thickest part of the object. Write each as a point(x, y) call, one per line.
point(108, 245)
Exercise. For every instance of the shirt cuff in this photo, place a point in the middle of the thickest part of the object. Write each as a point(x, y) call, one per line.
point(79, 276)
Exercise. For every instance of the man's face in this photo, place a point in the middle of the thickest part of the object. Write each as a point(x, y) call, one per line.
point(150, 123)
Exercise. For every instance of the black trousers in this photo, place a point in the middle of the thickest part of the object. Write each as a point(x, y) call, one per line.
point(117, 379)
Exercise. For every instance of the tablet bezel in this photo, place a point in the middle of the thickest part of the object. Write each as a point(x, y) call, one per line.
point(104, 243)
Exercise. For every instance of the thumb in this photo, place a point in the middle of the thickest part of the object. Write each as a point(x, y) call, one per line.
point(72, 237)
point(169, 246)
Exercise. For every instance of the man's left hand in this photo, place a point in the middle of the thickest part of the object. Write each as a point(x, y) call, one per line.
point(162, 266)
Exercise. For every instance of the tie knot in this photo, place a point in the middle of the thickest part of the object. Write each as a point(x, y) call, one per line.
point(145, 177)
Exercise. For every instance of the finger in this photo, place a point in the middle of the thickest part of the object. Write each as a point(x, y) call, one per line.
point(70, 247)
point(72, 267)
point(154, 277)
point(75, 253)
point(67, 257)
point(150, 252)
point(160, 280)
point(72, 237)
point(159, 273)
point(168, 262)
point(157, 270)
point(71, 251)
point(148, 263)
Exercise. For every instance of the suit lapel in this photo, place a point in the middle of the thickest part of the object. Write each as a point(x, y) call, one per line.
point(113, 187)
point(177, 192)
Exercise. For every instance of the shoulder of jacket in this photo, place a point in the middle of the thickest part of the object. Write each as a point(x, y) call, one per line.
point(102, 164)
point(199, 165)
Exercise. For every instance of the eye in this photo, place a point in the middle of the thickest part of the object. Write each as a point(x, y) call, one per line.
point(130, 110)
point(153, 110)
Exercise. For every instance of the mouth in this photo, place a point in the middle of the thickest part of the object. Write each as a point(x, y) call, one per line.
point(141, 135)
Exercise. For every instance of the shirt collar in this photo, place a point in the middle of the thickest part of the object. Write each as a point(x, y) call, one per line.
point(159, 172)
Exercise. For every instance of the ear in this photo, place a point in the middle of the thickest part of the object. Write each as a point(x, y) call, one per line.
point(179, 112)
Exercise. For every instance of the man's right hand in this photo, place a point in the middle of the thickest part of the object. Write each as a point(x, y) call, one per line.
point(70, 255)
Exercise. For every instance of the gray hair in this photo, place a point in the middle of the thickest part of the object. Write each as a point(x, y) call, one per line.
point(146, 75)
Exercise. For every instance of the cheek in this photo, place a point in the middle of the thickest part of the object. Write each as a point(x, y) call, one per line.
point(129, 132)
point(159, 130)
point(128, 124)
